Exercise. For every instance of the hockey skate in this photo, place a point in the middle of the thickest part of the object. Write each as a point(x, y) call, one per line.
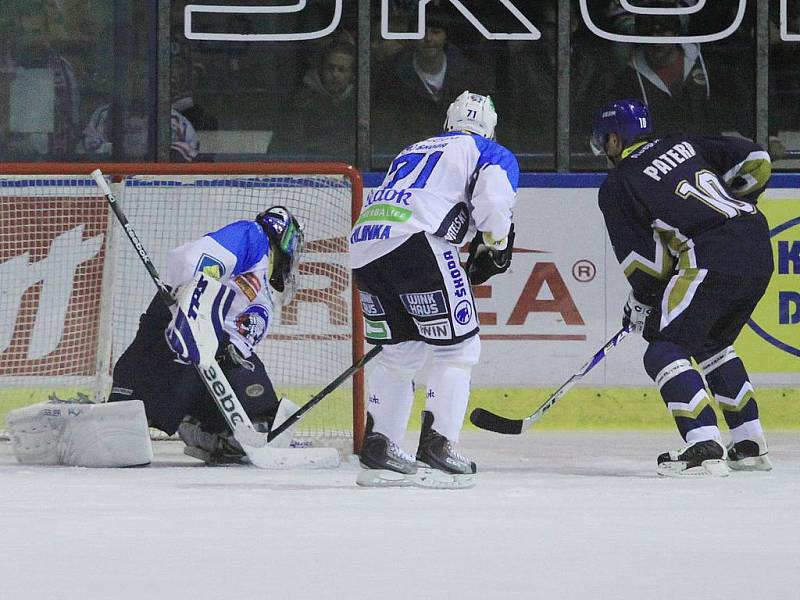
point(438, 464)
point(706, 457)
point(214, 449)
point(384, 463)
point(749, 455)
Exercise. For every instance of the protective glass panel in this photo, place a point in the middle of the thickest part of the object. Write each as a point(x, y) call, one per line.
point(413, 81)
point(784, 85)
point(705, 87)
point(259, 84)
point(75, 80)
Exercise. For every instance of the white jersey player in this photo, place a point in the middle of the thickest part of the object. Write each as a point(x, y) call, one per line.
point(416, 296)
point(229, 279)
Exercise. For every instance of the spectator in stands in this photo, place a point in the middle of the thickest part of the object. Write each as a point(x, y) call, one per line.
point(39, 98)
point(412, 92)
point(322, 122)
point(97, 136)
point(784, 84)
point(530, 90)
point(683, 92)
point(619, 20)
point(136, 119)
point(182, 75)
point(401, 19)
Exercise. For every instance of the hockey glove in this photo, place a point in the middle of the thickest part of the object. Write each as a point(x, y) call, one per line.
point(484, 260)
point(229, 357)
point(635, 314)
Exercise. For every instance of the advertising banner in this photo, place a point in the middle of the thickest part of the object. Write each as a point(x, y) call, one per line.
point(563, 297)
point(51, 266)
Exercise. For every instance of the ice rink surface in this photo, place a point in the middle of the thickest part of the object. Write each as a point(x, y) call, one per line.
point(554, 516)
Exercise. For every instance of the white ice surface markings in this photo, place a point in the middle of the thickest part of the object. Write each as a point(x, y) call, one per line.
point(554, 515)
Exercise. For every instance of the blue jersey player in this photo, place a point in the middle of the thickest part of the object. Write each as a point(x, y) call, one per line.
point(682, 217)
point(251, 265)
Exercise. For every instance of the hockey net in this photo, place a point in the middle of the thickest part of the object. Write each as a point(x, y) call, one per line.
point(73, 287)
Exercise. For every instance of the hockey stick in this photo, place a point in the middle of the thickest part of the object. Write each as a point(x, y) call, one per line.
point(296, 415)
point(253, 442)
point(485, 419)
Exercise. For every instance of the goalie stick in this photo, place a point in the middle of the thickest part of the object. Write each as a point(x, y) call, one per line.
point(253, 442)
point(484, 419)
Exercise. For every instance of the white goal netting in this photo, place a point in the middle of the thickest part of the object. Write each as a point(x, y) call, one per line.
point(74, 287)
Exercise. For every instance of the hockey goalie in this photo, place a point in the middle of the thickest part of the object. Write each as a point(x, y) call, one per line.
point(226, 286)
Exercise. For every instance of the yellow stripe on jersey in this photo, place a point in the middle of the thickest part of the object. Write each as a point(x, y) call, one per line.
point(659, 268)
point(680, 293)
point(749, 175)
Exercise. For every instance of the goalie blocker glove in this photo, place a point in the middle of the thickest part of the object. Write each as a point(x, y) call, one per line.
point(485, 261)
point(197, 324)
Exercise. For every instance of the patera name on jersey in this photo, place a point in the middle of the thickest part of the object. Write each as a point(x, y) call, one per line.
point(669, 160)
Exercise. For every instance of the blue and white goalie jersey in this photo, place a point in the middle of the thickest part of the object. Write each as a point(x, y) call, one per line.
point(448, 186)
point(238, 256)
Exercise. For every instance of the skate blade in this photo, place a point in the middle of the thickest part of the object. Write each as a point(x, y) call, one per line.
point(383, 478)
point(751, 463)
point(440, 480)
point(708, 468)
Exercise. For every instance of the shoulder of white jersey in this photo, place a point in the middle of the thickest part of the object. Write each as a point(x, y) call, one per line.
point(494, 153)
point(244, 239)
point(439, 138)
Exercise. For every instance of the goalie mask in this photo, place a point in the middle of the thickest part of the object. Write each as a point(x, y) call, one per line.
point(473, 113)
point(286, 243)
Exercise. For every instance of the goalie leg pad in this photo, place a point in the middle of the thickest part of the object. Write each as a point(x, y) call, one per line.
point(81, 435)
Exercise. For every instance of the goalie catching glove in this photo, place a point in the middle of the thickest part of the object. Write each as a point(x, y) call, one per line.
point(487, 257)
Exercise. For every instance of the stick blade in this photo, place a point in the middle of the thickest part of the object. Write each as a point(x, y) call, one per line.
point(264, 456)
point(280, 459)
point(483, 419)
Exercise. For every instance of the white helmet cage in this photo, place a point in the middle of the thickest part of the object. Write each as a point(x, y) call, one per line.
point(472, 112)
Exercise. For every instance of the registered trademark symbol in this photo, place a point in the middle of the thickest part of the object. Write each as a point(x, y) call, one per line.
point(584, 271)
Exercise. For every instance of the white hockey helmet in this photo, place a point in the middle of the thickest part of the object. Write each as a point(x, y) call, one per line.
point(472, 112)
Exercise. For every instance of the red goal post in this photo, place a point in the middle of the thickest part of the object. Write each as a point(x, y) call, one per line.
point(77, 289)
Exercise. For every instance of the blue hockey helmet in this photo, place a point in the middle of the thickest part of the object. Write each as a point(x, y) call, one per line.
point(629, 119)
point(286, 243)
